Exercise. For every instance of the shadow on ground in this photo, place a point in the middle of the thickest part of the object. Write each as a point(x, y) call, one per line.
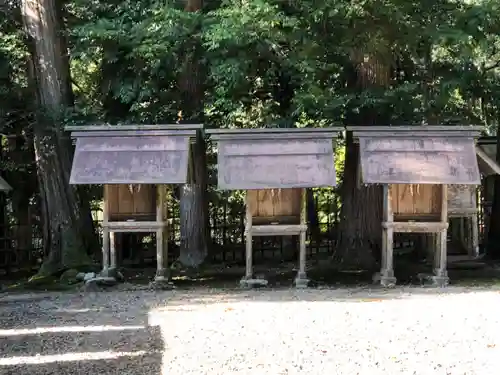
point(38, 337)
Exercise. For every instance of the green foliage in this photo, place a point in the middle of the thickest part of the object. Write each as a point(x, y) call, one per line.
point(277, 63)
point(272, 62)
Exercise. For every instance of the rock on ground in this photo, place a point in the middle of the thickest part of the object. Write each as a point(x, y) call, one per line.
point(256, 332)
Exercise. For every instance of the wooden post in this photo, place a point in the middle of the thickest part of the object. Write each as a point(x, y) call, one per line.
point(105, 233)
point(112, 252)
point(387, 278)
point(161, 256)
point(301, 281)
point(474, 250)
point(248, 243)
point(440, 277)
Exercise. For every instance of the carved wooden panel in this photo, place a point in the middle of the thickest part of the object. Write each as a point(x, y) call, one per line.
point(275, 163)
point(413, 160)
point(461, 199)
point(130, 160)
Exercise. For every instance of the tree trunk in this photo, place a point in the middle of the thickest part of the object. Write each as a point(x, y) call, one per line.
point(193, 202)
point(360, 229)
point(65, 233)
point(493, 243)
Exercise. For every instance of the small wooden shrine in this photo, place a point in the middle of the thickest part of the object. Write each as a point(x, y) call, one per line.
point(416, 165)
point(275, 166)
point(135, 163)
point(487, 156)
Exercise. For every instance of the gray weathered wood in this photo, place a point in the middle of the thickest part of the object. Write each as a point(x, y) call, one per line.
point(486, 158)
point(4, 186)
point(301, 280)
point(387, 278)
point(134, 127)
point(269, 163)
point(416, 227)
point(278, 230)
point(437, 160)
point(266, 133)
point(130, 160)
point(461, 200)
point(418, 130)
point(134, 226)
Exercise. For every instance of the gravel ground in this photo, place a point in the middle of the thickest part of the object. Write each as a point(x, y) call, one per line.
point(276, 332)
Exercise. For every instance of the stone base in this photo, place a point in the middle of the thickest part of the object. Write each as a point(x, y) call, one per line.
point(385, 281)
point(111, 272)
point(162, 274)
point(388, 281)
point(433, 280)
point(253, 283)
point(440, 281)
point(301, 281)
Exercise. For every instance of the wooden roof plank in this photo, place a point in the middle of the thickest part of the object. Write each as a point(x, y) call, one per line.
point(275, 158)
point(487, 164)
point(131, 157)
point(414, 160)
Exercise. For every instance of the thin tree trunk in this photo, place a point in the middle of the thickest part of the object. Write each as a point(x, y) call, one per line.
point(193, 202)
point(64, 228)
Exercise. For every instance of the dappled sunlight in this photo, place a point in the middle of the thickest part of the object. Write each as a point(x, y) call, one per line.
point(62, 329)
point(68, 357)
point(78, 311)
point(191, 300)
point(257, 333)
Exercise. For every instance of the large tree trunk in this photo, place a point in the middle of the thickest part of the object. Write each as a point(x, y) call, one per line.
point(193, 202)
point(360, 230)
point(493, 243)
point(65, 233)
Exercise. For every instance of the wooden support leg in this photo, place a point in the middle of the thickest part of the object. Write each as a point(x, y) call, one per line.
point(161, 261)
point(474, 248)
point(112, 272)
point(301, 280)
point(248, 280)
point(162, 278)
point(387, 278)
point(105, 253)
point(440, 277)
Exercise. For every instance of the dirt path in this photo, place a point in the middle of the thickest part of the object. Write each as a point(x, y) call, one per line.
point(313, 332)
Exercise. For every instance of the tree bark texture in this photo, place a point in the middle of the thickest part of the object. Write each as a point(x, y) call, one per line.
point(360, 229)
point(193, 202)
point(66, 231)
point(493, 242)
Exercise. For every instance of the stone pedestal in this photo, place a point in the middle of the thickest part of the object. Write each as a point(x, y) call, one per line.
point(301, 281)
point(252, 283)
